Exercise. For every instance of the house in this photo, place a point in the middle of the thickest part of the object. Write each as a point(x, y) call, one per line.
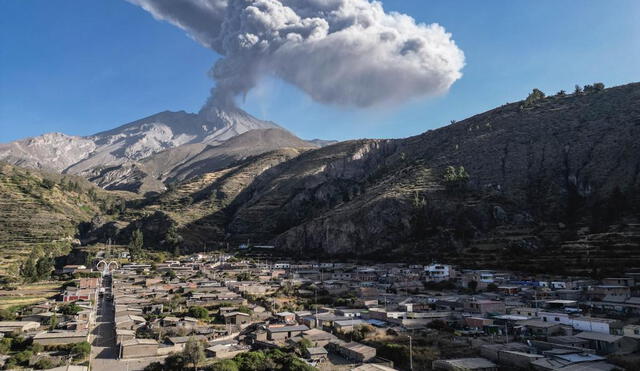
point(568, 341)
point(619, 281)
point(76, 294)
point(632, 331)
point(317, 337)
point(124, 335)
point(608, 344)
point(226, 349)
point(129, 322)
point(178, 342)
point(484, 306)
point(60, 337)
point(286, 317)
point(7, 327)
point(541, 328)
point(285, 332)
point(348, 325)
point(582, 323)
point(438, 272)
point(316, 354)
point(138, 348)
point(72, 268)
point(572, 361)
point(464, 364)
point(353, 351)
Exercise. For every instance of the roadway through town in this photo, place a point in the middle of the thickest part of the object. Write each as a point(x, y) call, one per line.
point(104, 350)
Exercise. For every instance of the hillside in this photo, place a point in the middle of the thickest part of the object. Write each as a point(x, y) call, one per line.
point(194, 209)
point(549, 180)
point(545, 179)
point(42, 209)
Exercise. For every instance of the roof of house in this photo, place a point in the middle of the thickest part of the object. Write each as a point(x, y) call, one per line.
point(470, 363)
point(61, 334)
point(351, 322)
point(139, 342)
point(538, 323)
point(588, 335)
point(288, 328)
point(316, 350)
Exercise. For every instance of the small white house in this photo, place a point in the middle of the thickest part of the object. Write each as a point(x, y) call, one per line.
point(438, 272)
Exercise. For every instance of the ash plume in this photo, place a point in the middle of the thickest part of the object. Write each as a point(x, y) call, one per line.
point(340, 52)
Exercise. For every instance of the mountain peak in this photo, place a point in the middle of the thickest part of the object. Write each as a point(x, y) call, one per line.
point(132, 141)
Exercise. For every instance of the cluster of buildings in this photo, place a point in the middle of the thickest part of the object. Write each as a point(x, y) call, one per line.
point(329, 311)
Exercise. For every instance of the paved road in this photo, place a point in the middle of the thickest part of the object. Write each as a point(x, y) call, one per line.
point(103, 347)
point(104, 351)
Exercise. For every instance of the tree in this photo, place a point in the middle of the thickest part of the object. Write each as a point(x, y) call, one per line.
point(251, 361)
point(171, 275)
point(81, 350)
point(28, 269)
point(44, 267)
point(577, 90)
point(154, 366)
point(562, 93)
point(193, 352)
point(70, 309)
point(7, 315)
point(225, 365)
point(44, 364)
point(533, 97)
point(175, 362)
point(53, 322)
point(172, 238)
point(136, 244)
point(198, 312)
point(473, 285)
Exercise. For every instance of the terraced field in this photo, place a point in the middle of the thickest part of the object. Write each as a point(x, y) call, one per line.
point(38, 209)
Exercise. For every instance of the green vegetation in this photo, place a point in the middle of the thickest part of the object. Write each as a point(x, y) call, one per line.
point(455, 179)
point(70, 309)
point(533, 97)
point(596, 87)
point(37, 267)
point(272, 360)
point(194, 352)
point(199, 312)
point(21, 351)
point(136, 245)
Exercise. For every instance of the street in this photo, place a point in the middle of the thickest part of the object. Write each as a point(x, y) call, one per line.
point(104, 349)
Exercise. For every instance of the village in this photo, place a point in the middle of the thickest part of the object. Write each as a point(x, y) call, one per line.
point(212, 310)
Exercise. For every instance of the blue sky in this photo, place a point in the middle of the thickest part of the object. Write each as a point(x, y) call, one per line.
point(80, 67)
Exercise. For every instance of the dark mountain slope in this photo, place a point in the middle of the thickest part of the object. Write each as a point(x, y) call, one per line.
point(538, 176)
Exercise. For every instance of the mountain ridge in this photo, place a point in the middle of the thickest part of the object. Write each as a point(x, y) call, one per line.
point(114, 158)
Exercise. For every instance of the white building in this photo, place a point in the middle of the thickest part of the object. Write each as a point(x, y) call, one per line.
point(438, 272)
point(591, 324)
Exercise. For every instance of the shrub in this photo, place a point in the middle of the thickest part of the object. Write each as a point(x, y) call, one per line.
point(455, 179)
point(81, 350)
point(199, 312)
point(224, 365)
point(533, 97)
point(44, 364)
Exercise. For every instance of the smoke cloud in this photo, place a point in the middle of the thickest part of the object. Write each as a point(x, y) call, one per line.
point(341, 52)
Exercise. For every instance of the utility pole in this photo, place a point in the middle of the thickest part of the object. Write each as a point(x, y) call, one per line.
point(506, 332)
point(410, 354)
